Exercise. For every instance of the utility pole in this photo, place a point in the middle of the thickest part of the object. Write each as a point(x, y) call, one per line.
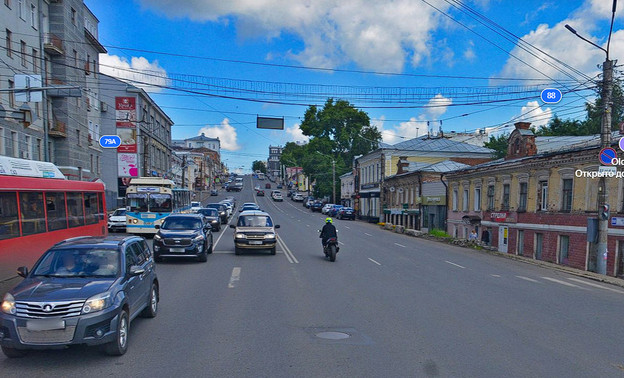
point(183, 171)
point(382, 196)
point(334, 180)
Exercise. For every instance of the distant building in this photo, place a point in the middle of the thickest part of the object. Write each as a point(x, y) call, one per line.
point(199, 142)
point(273, 162)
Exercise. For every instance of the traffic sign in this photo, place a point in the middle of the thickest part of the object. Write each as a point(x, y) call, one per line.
point(110, 141)
point(551, 96)
point(607, 155)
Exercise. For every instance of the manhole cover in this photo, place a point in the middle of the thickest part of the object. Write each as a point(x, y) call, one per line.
point(333, 335)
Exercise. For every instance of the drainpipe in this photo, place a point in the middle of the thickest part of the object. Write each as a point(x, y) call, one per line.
point(446, 196)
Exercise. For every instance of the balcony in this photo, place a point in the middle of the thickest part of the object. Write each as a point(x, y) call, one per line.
point(52, 44)
point(58, 129)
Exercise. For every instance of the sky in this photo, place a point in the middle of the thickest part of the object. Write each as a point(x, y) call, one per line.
point(414, 66)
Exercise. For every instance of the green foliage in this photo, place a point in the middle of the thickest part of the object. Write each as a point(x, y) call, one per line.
point(258, 165)
point(439, 233)
point(499, 145)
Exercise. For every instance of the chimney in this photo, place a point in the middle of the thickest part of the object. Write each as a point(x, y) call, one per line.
point(402, 165)
point(521, 142)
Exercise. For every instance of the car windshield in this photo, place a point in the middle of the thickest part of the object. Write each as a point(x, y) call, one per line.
point(254, 221)
point(79, 262)
point(195, 204)
point(208, 212)
point(217, 206)
point(160, 203)
point(119, 212)
point(179, 223)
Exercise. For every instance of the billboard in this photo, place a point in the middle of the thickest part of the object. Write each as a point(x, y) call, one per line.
point(125, 120)
point(270, 123)
point(127, 165)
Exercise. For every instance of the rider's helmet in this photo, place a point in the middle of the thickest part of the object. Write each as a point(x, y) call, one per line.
point(328, 220)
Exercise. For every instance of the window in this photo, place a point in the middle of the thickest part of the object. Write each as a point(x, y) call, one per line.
point(75, 209)
point(39, 149)
point(28, 151)
point(91, 208)
point(539, 240)
point(465, 200)
point(78, 137)
point(490, 195)
point(564, 244)
point(9, 44)
point(23, 52)
point(11, 94)
point(542, 197)
point(35, 57)
point(477, 199)
point(522, 205)
point(505, 205)
point(2, 141)
point(20, 9)
point(97, 164)
point(75, 59)
point(455, 194)
point(94, 68)
point(9, 227)
point(566, 201)
point(32, 215)
point(87, 62)
point(33, 16)
point(520, 243)
point(7, 3)
point(73, 16)
point(91, 156)
point(55, 206)
point(15, 144)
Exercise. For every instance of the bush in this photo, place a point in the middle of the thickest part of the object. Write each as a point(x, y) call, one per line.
point(439, 233)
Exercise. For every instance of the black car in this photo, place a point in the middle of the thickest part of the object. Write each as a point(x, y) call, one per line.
point(346, 213)
point(183, 235)
point(83, 290)
point(316, 206)
point(222, 211)
point(212, 217)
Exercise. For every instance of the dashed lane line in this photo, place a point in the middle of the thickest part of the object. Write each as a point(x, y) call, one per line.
point(495, 275)
point(341, 243)
point(528, 279)
point(374, 261)
point(366, 233)
point(400, 245)
point(235, 277)
point(562, 282)
point(596, 285)
point(457, 265)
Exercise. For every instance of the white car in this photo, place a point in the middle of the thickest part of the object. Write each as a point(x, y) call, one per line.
point(277, 196)
point(326, 208)
point(117, 220)
point(297, 197)
point(195, 205)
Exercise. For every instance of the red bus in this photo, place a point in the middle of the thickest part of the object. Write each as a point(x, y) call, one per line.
point(37, 212)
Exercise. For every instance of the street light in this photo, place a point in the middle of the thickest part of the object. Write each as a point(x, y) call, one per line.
point(605, 141)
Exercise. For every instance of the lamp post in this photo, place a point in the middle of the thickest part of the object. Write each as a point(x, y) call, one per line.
point(605, 141)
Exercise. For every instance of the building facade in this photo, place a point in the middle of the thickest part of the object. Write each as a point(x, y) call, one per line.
point(273, 162)
point(539, 205)
point(347, 189)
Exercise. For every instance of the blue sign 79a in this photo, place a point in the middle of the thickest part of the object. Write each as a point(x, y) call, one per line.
point(110, 141)
point(551, 96)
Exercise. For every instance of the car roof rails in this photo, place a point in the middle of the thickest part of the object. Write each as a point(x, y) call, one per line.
point(71, 240)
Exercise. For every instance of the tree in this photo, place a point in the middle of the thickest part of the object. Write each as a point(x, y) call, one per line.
point(258, 165)
point(499, 145)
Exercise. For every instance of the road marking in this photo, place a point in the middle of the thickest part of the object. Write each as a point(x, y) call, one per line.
point(289, 255)
point(341, 243)
point(366, 233)
point(457, 265)
point(235, 277)
point(220, 235)
point(400, 245)
point(528, 279)
point(494, 275)
point(561, 282)
point(348, 227)
point(596, 285)
point(374, 261)
point(307, 225)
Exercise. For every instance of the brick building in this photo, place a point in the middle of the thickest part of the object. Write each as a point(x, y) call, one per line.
point(539, 204)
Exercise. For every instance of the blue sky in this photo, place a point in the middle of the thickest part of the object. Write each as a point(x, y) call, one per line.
point(441, 63)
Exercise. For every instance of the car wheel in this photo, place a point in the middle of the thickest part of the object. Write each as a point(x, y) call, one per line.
point(152, 303)
point(274, 250)
point(158, 259)
point(237, 251)
point(210, 249)
point(202, 257)
point(119, 346)
point(13, 353)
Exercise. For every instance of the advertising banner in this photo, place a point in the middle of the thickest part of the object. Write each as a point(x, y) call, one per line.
point(127, 165)
point(125, 120)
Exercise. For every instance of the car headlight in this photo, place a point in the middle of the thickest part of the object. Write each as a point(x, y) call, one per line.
point(96, 303)
point(240, 236)
point(135, 221)
point(269, 236)
point(222, 212)
point(198, 238)
point(8, 304)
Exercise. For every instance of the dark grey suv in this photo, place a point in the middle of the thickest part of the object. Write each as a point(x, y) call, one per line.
point(83, 290)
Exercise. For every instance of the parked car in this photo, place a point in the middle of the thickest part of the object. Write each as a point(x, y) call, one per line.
point(195, 205)
point(290, 193)
point(117, 220)
point(297, 197)
point(214, 192)
point(277, 196)
point(316, 206)
point(212, 217)
point(279, 186)
point(83, 290)
point(307, 201)
point(223, 213)
point(326, 208)
point(346, 213)
point(333, 211)
point(260, 193)
point(254, 230)
point(183, 235)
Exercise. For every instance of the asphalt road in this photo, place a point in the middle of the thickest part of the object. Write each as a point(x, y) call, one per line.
point(411, 308)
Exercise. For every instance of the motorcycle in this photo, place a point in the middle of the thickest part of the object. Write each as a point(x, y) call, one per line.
point(331, 248)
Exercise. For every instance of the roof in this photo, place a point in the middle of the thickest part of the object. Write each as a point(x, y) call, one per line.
point(561, 143)
point(202, 138)
point(439, 144)
point(440, 167)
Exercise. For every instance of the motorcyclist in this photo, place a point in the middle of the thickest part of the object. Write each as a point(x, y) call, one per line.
point(328, 232)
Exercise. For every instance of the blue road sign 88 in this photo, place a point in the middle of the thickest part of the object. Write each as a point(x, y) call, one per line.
point(110, 141)
point(551, 96)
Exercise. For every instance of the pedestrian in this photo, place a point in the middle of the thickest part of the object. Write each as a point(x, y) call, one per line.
point(473, 236)
point(485, 237)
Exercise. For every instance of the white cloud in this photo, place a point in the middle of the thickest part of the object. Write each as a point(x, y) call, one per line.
point(226, 134)
point(538, 116)
point(403, 131)
point(469, 53)
point(379, 35)
point(438, 106)
point(138, 71)
point(295, 134)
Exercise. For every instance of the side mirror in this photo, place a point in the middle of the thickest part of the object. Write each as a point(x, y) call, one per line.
point(277, 226)
point(232, 226)
point(157, 226)
point(22, 271)
point(136, 270)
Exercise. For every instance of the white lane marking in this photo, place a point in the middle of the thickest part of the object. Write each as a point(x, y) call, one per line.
point(494, 275)
point(457, 265)
point(289, 255)
point(374, 261)
point(341, 243)
point(528, 279)
point(348, 227)
point(596, 285)
point(220, 235)
point(366, 233)
point(560, 282)
point(307, 225)
point(400, 245)
point(235, 277)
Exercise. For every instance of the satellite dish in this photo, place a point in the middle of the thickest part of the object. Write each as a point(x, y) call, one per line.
point(392, 188)
point(400, 190)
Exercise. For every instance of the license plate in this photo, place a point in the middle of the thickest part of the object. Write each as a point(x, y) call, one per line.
point(45, 324)
point(255, 242)
point(177, 250)
point(148, 223)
